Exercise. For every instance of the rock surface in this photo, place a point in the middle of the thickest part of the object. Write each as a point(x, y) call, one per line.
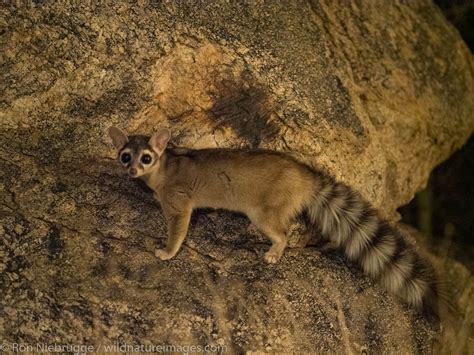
point(377, 93)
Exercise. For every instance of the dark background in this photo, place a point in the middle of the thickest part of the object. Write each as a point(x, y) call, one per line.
point(444, 210)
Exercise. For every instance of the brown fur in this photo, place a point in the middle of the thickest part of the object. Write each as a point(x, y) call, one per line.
point(272, 188)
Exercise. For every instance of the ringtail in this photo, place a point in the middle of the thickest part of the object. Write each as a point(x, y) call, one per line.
point(271, 188)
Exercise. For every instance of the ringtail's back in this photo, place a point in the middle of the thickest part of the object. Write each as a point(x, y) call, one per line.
point(272, 188)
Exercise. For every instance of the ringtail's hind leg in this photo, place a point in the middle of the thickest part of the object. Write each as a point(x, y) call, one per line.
point(275, 230)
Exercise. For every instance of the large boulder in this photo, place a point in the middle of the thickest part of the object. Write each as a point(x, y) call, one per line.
point(377, 93)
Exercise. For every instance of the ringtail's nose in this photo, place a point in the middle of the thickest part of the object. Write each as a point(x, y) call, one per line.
point(133, 171)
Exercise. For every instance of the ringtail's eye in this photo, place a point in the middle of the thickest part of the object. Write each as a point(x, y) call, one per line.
point(146, 159)
point(125, 158)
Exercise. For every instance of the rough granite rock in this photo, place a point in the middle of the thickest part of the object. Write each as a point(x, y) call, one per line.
point(378, 93)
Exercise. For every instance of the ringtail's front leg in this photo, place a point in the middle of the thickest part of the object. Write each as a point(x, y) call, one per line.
point(177, 216)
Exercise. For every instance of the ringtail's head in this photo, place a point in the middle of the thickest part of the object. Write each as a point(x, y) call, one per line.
point(140, 155)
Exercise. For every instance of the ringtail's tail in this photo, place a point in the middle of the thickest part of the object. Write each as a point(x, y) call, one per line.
point(272, 188)
point(352, 224)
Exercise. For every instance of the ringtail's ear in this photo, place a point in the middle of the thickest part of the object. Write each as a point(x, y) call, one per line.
point(159, 140)
point(118, 137)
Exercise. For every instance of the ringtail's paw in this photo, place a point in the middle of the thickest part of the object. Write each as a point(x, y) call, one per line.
point(271, 257)
point(163, 254)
